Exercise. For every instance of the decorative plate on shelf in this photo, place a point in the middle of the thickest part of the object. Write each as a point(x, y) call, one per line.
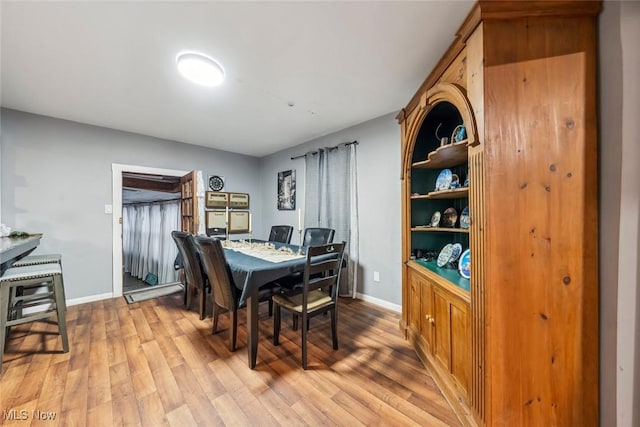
point(435, 219)
point(444, 180)
point(455, 253)
point(465, 220)
point(449, 218)
point(445, 255)
point(455, 181)
point(464, 266)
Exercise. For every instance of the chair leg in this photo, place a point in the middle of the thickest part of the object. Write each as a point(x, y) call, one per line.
point(305, 327)
point(202, 301)
point(270, 308)
point(233, 331)
point(334, 328)
point(295, 321)
point(4, 313)
point(216, 314)
point(276, 325)
point(61, 308)
point(188, 296)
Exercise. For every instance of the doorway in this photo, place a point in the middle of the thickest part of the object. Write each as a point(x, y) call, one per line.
point(118, 170)
point(150, 212)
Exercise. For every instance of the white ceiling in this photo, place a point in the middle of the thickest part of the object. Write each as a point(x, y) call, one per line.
point(112, 64)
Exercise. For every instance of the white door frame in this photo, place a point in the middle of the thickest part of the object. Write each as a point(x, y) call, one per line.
point(117, 170)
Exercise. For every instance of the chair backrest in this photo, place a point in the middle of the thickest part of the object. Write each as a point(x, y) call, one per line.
point(216, 232)
point(187, 249)
point(317, 236)
point(322, 269)
point(216, 268)
point(281, 233)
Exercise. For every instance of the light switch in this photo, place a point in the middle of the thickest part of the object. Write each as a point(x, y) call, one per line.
point(108, 209)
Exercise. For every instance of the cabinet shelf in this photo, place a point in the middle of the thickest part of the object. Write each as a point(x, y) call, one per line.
point(446, 156)
point(441, 229)
point(455, 193)
point(453, 281)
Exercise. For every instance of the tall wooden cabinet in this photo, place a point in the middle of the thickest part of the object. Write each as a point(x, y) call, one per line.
point(517, 343)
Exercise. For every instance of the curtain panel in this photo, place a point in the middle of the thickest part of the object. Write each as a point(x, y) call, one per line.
point(331, 201)
point(146, 239)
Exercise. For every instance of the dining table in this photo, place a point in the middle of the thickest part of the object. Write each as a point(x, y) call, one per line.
point(13, 248)
point(252, 268)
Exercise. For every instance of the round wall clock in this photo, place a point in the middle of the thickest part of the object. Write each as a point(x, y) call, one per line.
point(216, 183)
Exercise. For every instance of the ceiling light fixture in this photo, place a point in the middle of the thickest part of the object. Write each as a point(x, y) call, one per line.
point(200, 69)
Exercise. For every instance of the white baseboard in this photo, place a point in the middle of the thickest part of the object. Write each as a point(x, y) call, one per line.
point(377, 301)
point(90, 298)
point(382, 303)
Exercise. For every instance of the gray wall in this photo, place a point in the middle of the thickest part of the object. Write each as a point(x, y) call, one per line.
point(378, 199)
point(619, 68)
point(56, 179)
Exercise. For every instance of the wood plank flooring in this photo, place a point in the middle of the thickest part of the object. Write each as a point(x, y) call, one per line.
point(155, 364)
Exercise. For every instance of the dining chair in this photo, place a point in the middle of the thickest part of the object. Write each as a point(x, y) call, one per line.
point(317, 236)
point(281, 233)
point(194, 277)
point(312, 237)
point(225, 293)
point(219, 232)
point(318, 295)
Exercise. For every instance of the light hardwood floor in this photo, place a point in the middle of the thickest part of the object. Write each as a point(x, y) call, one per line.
point(155, 364)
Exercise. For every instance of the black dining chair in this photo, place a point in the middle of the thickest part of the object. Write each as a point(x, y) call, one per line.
point(317, 236)
point(281, 233)
point(312, 237)
point(219, 232)
point(225, 293)
point(319, 293)
point(194, 273)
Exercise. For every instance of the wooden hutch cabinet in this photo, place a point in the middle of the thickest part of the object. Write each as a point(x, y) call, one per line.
point(517, 343)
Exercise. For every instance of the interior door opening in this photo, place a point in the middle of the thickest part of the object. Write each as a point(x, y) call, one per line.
point(117, 217)
point(150, 211)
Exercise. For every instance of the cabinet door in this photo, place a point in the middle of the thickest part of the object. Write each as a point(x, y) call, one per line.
point(189, 203)
point(441, 330)
point(426, 314)
point(460, 343)
point(414, 302)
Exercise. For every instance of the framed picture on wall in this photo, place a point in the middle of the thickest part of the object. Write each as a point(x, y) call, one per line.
point(287, 190)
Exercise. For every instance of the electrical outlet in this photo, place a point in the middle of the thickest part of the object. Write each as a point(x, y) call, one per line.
point(376, 276)
point(108, 209)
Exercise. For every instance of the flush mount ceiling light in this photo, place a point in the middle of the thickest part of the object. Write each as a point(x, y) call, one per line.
point(200, 69)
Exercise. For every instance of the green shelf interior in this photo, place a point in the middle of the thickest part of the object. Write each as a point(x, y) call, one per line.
point(448, 273)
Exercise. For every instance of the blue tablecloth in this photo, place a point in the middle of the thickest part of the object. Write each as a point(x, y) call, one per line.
point(249, 271)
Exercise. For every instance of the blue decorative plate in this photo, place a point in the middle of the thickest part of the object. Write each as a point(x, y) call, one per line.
point(464, 266)
point(445, 255)
point(455, 253)
point(444, 180)
point(465, 220)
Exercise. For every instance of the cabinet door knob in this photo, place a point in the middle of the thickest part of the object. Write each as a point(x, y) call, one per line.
point(432, 320)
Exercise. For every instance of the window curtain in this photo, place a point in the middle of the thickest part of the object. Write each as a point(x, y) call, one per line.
point(147, 243)
point(331, 201)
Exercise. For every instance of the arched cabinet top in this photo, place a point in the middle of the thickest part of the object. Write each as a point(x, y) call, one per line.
point(439, 93)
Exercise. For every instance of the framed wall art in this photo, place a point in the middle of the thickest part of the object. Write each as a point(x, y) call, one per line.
point(287, 190)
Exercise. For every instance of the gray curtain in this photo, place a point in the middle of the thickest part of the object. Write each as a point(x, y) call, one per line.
point(331, 202)
point(146, 239)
